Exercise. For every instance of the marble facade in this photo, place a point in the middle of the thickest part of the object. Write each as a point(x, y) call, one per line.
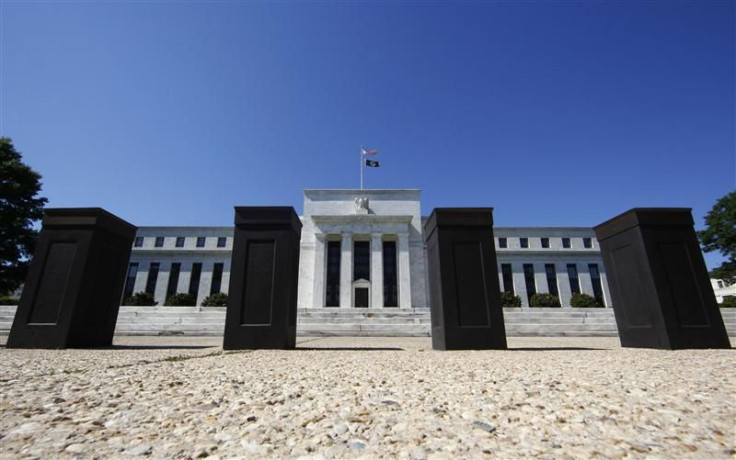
point(343, 217)
point(373, 216)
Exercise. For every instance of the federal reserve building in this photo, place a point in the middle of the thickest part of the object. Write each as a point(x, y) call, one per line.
point(365, 249)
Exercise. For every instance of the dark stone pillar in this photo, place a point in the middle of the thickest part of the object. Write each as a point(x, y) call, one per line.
point(72, 293)
point(465, 298)
point(662, 297)
point(264, 273)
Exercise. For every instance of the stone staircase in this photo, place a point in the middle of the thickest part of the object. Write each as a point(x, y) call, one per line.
point(389, 322)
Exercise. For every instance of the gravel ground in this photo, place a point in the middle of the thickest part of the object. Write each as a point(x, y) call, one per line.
point(367, 397)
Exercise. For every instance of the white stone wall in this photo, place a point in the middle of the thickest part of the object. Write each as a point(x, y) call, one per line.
point(332, 215)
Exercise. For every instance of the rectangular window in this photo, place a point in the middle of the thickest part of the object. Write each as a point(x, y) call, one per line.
point(217, 278)
point(595, 278)
point(173, 279)
point(152, 277)
point(194, 280)
point(390, 286)
point(531, 287)
point(508, 278)
point(566, 243)
point(503, 243)
point(524, 242)
point(545, 242)
point(551, 279)
point(138, 242)
point(333, 274)
point(362, 260)
point(200, 241)
point(159, 242)
point(587, 243)
point(179, 241)
point(221, 241)
point(130, 280)
point(572, 273)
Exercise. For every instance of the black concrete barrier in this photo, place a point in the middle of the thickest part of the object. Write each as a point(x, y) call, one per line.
point(71, 296)
point(465, 298)
point(661, 293)
point(261, 306)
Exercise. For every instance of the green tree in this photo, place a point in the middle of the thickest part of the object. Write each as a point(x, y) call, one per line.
point(20, 206)
point(720, 235)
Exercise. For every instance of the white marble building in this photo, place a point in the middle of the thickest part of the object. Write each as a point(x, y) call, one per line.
point(385, 224)
point(365, 248)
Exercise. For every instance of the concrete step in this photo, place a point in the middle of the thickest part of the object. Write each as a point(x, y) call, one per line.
point(384, 322)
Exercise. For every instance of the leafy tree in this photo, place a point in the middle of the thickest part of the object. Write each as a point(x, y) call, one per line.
point(217, 299)
point(181, 300)
point(20, 206)
point(579, 300)
point(720, 235)
point(140, 299)
point(510, 300)
point(544, 301)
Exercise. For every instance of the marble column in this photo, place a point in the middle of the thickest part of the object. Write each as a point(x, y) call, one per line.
point(376, 271)
point(318, 286)
point(404, 272)
point(346, 270)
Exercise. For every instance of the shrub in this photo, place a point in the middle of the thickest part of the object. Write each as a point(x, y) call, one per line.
point(217, 299)
point(181, 300)
point(544, 301)
point(728, 302)
point(583, 301)
point(510, 300)
point(140, 299)
point(8, 300)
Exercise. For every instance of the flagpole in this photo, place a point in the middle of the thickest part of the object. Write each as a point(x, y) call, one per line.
point(360, 154)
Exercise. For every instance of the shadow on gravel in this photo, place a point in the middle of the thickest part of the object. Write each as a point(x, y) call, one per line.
point(156, 347)
point(348, 349)
point(556, 349)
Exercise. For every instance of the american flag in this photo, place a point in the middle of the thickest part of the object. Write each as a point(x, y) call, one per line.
point(371, 152)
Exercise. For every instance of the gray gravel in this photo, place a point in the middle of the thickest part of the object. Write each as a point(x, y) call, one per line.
point(367, 397)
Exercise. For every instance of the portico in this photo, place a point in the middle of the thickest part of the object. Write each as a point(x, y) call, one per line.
point(362, 249)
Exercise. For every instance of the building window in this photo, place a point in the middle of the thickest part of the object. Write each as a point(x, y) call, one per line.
point(194, 280)
point(551, 279)
point(217, 278)
point(362, 260)
point(545, 242)
point(720, 284)
point(179, 241)
point(566, 243)
point(503, 243)
point(221, 241)
point(173, 279)
point(531, 287)
point(587, 243)
point(159, 242)
point(595, 278)
point(390, 286)
point(333, 274)
point(508, 278)
point(572, 273)
point(138, 242)
point(152, 277)
point(130, 281)
point(524, 242)
point(200, 241)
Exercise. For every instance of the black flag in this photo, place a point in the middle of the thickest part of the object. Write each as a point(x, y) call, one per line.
point(372, 163)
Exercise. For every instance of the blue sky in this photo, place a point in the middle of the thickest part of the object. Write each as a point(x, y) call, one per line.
point(554, 113)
